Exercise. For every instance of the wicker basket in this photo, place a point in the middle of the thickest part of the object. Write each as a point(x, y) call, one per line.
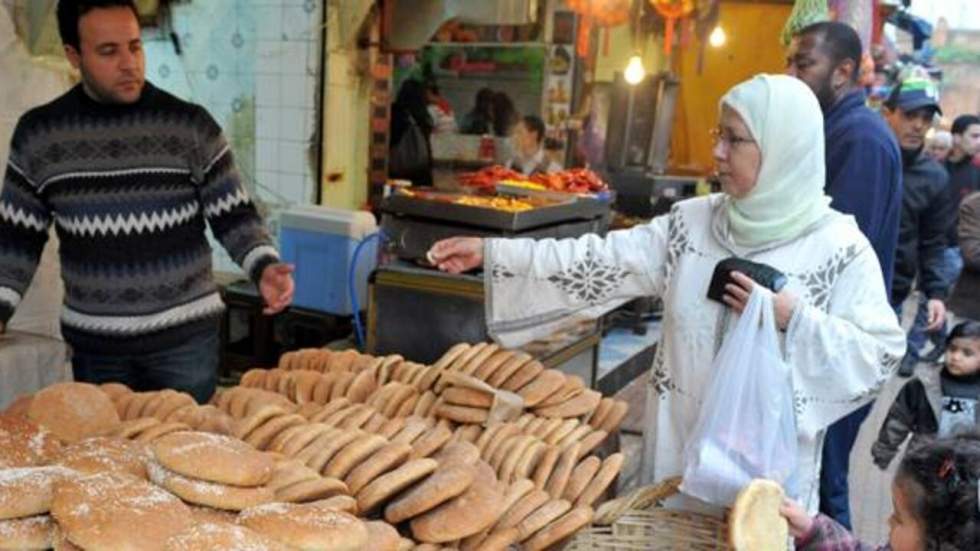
point(639, 522)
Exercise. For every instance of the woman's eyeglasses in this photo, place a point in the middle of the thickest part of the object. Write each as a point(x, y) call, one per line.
point(730, 140)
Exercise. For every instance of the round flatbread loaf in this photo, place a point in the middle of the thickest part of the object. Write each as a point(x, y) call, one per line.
point(346, 504)
point(566, 427)
point(305, 435)
point(411, 430)
point(527, 373)
point(492, 364)
point(510, 367)
point(522, 508)
point(443, 485)
point(755, 523)
point(386, 459)
point(27, 491)
point(615, 417)
point(501, 437)
point(96, 455)
point(590, 442)
point(459, 452)
point(462, 396)
point(383, 536)
point(463, 414)
point(352, 455)
point(469, 513)
point(261, 437)
point(563, 471)
point(110, 512)
point(431, 442)
point(564, 527)
point(451, 355)
point(465, 433)
point(542, 516)
point(209, 536)
point(132, 428)
point(243, 427)
point(544, 385)
point(583, 473)
point(546, 464)
point(604, 477)
point(209, 494)
point(73, 411)
point(312, 490)
point(329, 449)
point(576, 435)
point(27, 534)
point(307, 527)
point(156, 431)
point(583, 404)
point(290, 472)
point(24, 443)
point(213, 458)
point(384, 487)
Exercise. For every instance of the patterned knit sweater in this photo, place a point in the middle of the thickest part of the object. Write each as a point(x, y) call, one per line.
point(130, 190)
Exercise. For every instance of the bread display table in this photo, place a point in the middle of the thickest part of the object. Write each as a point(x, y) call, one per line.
point(486, 449)
point(29, 363)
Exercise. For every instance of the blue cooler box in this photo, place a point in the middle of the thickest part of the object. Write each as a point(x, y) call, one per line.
point(320, 242)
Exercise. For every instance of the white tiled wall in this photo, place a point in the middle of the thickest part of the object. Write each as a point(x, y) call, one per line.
point(255, 65)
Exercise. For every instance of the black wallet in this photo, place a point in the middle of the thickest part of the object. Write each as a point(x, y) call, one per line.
point(763, 274)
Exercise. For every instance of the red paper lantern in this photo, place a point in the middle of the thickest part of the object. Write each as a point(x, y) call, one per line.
point(605, 13)
point(671, 11)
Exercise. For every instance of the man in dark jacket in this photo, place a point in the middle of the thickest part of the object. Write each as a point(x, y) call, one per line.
point(964, 179)
point(927, 211)
point(864, 179)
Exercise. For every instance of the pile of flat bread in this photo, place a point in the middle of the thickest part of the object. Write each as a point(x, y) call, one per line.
point(331, 450)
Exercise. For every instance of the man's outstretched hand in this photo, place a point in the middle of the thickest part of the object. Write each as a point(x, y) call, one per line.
point(277, 287)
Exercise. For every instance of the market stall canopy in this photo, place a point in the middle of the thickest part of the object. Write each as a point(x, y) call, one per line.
point(418, 20)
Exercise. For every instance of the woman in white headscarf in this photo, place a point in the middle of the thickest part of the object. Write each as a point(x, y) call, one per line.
point(839, 335)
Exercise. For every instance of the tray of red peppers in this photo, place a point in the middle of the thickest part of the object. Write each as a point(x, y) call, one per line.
point(574, 180)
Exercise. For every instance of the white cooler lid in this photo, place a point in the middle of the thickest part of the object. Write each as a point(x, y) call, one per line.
point(355, 224)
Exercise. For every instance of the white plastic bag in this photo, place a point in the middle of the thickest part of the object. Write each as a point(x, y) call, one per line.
point(747, 425)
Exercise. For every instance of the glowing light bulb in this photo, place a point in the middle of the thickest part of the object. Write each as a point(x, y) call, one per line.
point(634, 70)
point(717, 38)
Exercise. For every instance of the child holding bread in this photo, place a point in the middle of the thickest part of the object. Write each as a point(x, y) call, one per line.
point(935, 500)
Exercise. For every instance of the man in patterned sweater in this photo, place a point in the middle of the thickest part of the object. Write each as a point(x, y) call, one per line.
point(131, 177)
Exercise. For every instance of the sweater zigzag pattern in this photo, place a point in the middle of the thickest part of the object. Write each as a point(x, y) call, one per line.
point(131, 191)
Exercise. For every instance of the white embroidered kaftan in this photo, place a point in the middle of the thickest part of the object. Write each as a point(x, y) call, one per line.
point(842, 343)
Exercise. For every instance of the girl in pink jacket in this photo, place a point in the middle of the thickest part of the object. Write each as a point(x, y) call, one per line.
point(935, 499)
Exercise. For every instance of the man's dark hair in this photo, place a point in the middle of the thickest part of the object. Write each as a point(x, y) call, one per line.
point(839, 41)
point(70, 11)
point(534, 124)
point(963, 122)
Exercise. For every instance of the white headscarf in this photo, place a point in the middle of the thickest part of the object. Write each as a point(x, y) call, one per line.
point(784, 117)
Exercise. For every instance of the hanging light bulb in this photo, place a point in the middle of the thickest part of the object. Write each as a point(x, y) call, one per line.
point(634, 70)
point(717, 38)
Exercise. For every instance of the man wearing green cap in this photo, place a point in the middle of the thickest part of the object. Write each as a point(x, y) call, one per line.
point(927, 211)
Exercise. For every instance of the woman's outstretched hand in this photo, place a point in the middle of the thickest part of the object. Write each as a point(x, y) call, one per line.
point(737, 296)
point(457, 254)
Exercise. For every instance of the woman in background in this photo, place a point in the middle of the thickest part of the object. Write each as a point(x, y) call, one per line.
point(480, 119)
point(410, 152)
